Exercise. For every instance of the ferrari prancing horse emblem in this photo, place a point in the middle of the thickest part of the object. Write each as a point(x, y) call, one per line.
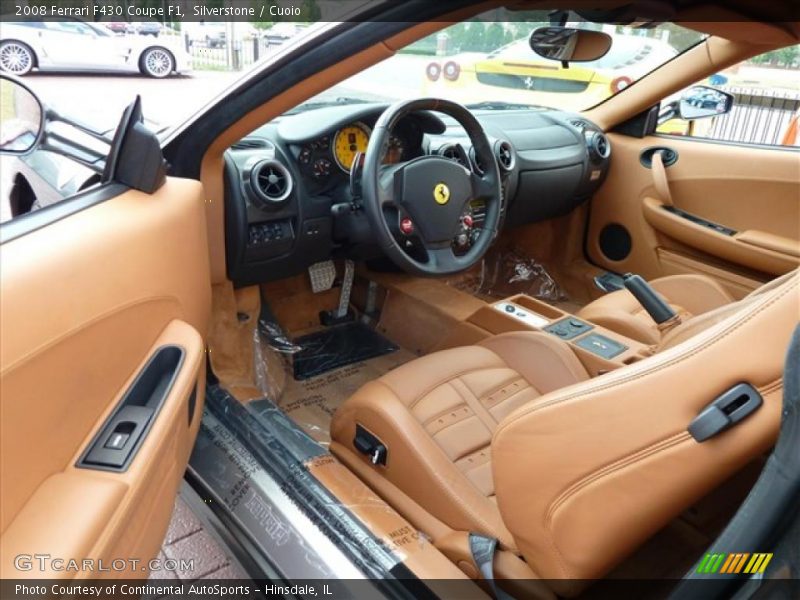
point(441, 193)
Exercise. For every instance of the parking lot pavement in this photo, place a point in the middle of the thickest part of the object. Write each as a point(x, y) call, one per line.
point(100, 99)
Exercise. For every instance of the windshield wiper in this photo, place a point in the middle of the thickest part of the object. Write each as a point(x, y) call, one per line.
point(500, 105)
point(340, 101)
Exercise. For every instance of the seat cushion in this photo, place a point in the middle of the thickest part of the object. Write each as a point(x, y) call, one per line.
point(436, 416)
point(688, 295)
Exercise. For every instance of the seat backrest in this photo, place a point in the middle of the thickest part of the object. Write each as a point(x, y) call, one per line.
point(588, 473)
point(703, 321)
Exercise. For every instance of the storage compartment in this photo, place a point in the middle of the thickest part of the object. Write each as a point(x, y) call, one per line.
point(539, 307)
point(546, 194)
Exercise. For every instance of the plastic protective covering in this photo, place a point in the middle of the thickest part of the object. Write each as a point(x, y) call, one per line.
point(272, 359)
point(257, 480)
point(310, 402)
point(504, 273)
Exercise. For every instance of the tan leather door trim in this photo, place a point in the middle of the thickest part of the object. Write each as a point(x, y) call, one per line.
point(746, 188)
point(84, 302)
point(753, 251)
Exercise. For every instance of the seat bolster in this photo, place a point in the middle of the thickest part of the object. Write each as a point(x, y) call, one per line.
point(587, 474)
point(688, 295)
point(547, 363)
point(415, 463)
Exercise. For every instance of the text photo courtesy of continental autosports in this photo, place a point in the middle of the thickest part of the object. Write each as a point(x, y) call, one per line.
point(366, 299)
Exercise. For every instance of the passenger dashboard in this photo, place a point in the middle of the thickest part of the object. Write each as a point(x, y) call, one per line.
point(293, 197)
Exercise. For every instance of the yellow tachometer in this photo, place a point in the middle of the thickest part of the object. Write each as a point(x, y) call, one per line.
point(347, 142)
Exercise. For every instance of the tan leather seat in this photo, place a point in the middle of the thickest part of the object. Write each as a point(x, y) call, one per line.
point(510, 437)
point(437, 414)
point(688, 295)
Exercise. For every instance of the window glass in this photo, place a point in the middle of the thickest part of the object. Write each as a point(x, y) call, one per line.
point(766, 91)
point(68, 27)
point(488, 61)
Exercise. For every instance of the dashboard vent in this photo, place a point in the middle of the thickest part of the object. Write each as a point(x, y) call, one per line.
point(271, 181)
point(505, 155)
point(599, 145)
point(250, 144)
point(455, 152)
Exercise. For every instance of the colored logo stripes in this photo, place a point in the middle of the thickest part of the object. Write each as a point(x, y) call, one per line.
point(732, 563)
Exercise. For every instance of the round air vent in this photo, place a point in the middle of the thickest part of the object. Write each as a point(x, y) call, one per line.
point(271, 181)
point(599, 145)
point(505, 155)
point(455, 152)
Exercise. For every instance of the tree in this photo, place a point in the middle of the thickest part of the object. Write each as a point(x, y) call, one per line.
point(494, 37)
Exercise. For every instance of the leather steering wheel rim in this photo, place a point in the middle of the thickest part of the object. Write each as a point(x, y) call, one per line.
point(381, 184)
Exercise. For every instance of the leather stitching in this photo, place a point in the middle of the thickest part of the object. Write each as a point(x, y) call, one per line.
point(525, 411)
point(646, 370)
point(439, 383)
point(613, 467)
point(484, 400)
point(624, 462)
point(437, 478)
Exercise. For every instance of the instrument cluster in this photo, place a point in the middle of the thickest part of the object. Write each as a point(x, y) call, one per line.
point(335, 153)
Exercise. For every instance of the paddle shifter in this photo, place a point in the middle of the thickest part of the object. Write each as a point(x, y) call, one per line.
point(655, 306)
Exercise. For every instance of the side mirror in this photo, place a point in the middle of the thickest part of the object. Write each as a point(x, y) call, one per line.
point(568, 44)
point(21, 117)
point(700, 102)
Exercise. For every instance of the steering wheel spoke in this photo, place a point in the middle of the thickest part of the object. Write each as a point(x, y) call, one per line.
point(387, 185)
point(442, 258)
point(482, 187)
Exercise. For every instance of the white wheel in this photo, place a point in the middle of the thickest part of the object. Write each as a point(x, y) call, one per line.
point(157, 62)
point(16, 58)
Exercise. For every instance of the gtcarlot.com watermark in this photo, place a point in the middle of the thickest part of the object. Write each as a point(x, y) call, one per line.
point(49, 563)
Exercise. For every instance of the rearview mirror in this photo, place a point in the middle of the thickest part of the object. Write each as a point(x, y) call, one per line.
point(21, 117)
point(699, 102)
point(568, 44)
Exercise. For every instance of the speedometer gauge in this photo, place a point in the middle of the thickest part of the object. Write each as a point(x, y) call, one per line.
point(347, 142)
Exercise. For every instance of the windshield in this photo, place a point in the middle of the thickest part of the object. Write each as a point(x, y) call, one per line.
point(487, 62)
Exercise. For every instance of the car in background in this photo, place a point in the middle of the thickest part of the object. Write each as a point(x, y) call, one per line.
point(525, 78)
point(281, 32)
point(211, 35)
point(119, 27)
point(73, 45)
point(153, 28)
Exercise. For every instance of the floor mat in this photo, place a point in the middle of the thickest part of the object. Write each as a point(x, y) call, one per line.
point(311, 403)
point(337, 347)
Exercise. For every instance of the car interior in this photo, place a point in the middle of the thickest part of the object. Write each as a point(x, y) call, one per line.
point(557, 330)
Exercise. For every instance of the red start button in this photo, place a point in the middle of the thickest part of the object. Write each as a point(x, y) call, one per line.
point(406, 226)
point(467, 220)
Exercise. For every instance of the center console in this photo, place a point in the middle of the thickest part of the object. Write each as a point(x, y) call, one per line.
point(599, 349)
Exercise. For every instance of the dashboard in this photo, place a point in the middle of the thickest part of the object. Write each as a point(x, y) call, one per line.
point(293, 185)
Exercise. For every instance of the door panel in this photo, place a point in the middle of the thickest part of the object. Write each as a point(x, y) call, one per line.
point(753, 191)
point(85, 302)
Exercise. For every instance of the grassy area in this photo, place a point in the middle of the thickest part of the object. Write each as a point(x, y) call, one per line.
point(210, 67)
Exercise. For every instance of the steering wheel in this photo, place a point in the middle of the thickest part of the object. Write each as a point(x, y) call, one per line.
point(428, 195)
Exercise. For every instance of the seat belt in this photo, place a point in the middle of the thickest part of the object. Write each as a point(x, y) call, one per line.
point(483, 550)
point(660, 181)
